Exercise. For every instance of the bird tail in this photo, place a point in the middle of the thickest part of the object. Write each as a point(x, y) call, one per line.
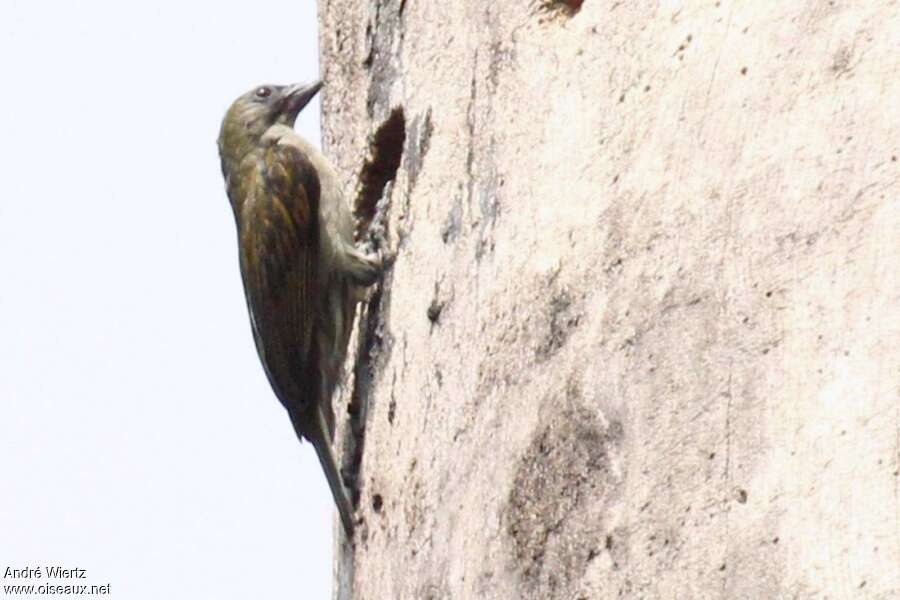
point(317, 433)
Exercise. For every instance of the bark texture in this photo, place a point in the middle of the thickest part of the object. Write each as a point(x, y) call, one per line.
point(641, 336)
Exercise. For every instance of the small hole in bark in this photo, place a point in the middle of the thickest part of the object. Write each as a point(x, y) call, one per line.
point(568, 7)
point(377, 503)
point(434, 311)
point(380, 168)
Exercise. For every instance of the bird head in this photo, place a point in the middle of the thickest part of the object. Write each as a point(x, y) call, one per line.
point(253, 113)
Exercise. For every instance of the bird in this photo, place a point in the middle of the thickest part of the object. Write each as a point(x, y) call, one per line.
point(302, 273)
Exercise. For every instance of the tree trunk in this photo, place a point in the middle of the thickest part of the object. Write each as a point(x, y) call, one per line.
point(640, 337)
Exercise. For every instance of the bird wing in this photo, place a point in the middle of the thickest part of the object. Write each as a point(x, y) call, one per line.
point(279, 258)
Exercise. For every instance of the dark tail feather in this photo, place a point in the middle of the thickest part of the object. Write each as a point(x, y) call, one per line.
point(317, 434)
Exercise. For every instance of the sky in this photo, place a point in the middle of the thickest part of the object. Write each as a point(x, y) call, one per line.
point(139, 438)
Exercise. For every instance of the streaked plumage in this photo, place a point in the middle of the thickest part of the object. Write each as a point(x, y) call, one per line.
point(302, 275)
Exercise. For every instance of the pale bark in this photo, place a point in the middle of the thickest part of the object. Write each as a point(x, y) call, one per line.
point(641, 337)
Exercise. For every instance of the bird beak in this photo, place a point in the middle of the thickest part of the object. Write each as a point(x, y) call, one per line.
point(297, 96)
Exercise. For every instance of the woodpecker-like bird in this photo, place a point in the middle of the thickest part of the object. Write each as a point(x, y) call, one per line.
point(302, 274)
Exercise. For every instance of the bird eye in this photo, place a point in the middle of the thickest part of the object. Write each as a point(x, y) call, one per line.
point(263, 92)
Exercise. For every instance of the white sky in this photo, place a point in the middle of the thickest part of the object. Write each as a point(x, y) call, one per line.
point(139, 439)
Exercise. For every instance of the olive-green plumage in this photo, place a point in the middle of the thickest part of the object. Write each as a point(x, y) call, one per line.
point(302, 274)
